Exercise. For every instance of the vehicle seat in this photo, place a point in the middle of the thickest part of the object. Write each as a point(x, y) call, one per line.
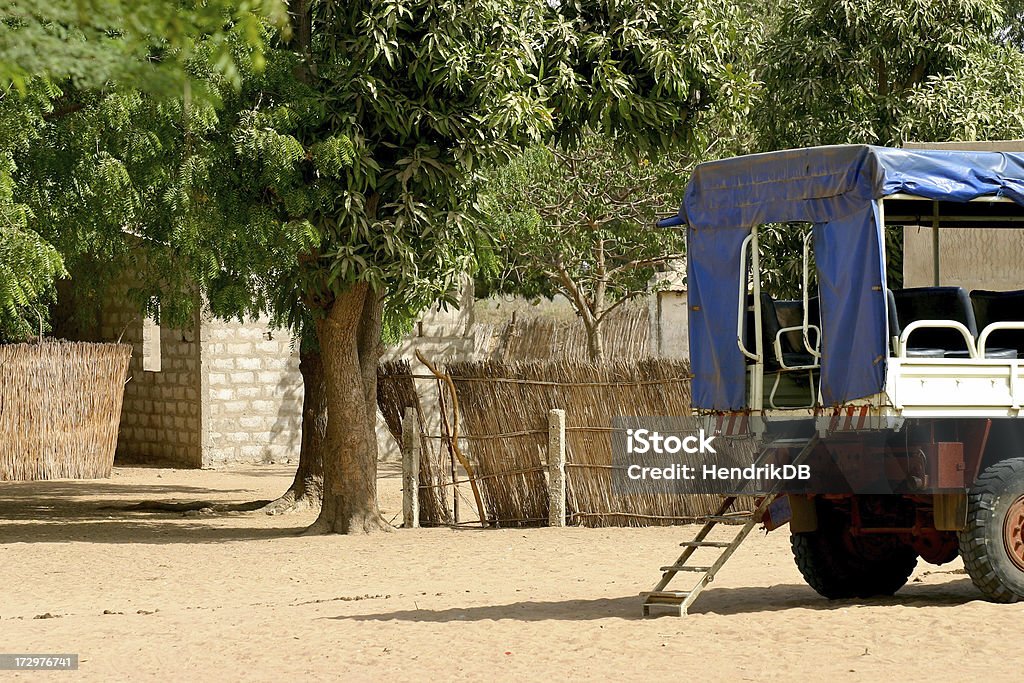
point(941, 303)
point(895, 330)
point(991, 307)
point(790, 313)
point(770, 326)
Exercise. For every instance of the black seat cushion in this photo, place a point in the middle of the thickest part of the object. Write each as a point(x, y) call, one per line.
point(927, 353)
point(935, 303)
point(793, 351)
point(991, 307)
point(795, 359)
point(989, 353)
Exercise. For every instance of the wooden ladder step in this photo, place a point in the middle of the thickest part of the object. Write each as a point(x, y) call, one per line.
point(665, 595)
point(729, 518)
point(684, 568)
point(795, 441)
point(705, 544)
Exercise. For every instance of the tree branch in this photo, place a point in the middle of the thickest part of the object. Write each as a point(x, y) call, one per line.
point(63, 111)
point(642, 263)
point(602, 278)
point(628, 296)
point(916, 74)
point(581, 304)
point(881, 76)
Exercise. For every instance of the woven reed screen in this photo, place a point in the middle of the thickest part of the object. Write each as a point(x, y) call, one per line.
point(60, 407)
point(504, 414)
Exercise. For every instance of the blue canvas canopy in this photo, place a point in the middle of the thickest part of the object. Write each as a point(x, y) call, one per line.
point(834, 188)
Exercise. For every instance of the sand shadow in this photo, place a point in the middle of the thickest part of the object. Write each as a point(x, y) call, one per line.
point(70, 500)
point(758, 599)
point(529, 610)
point(123, 530)
point(102, 511)
point(721, 601)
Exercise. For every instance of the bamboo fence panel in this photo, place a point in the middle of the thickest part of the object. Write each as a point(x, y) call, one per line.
point(396, 391)
point(624, 334)
point(504, 413)
point(60, 408)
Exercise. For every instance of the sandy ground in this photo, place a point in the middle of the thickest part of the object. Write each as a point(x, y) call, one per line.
point(228, 597)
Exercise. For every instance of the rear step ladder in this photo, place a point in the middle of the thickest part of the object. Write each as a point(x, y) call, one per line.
point(681, 600)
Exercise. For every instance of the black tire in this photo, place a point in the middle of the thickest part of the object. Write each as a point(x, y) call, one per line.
point(839, 566)
point(986, 558)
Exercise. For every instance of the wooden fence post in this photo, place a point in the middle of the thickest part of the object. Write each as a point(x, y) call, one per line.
point(556, 468)
point(410, 470)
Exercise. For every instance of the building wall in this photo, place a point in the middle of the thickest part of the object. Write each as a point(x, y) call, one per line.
point(668, 313)
point(251, 394)
point(669, 327)
point(973, 258)
point(161, 420)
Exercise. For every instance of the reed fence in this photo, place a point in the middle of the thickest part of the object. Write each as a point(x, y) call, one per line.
point(60, 407)
point(396, 391)
point(498, 456)
point(624, 334)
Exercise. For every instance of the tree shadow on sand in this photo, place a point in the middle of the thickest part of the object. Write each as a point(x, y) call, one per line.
point(721, 601)
point(108, 512)
point(126, 530)
point(81, 500)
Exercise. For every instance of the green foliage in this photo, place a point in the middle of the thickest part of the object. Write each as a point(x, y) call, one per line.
point(28, 267)
point(879, 72)
point(380, 143)
point(1012, 30)
point(142, 44)
point(580, 223)
point(346, 148)
point(96, 160)
point(981, 100)
point(643, 69)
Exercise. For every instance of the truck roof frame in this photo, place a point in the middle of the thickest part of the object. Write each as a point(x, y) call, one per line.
point(848, 192)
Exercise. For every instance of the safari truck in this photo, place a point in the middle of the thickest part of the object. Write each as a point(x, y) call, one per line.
point(904, 401)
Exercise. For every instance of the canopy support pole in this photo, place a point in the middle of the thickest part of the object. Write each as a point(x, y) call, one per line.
point(758, 378)
point(935, 242)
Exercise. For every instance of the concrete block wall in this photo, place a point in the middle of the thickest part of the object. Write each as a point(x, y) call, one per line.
point(251, 394)
point(668, 313)
point(972, 258)
point(161, 421)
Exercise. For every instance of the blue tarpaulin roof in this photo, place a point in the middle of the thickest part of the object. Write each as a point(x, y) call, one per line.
point(834, 188)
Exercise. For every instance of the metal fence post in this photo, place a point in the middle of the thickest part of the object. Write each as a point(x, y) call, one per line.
point(410, 470)
point(556, 468)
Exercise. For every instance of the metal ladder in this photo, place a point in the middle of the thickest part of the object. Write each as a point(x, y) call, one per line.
point(660, 597)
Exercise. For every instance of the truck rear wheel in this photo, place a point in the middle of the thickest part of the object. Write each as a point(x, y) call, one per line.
point(992, 544)
point(838, 565)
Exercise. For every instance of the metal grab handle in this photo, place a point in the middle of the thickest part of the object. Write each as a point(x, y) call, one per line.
point(742, 312)
point(807, 302)
point(938, 324)
point(778, 348)
point(995, 327)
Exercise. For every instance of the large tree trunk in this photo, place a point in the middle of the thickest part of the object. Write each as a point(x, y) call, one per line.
point(306, 490)
point(349, 337)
